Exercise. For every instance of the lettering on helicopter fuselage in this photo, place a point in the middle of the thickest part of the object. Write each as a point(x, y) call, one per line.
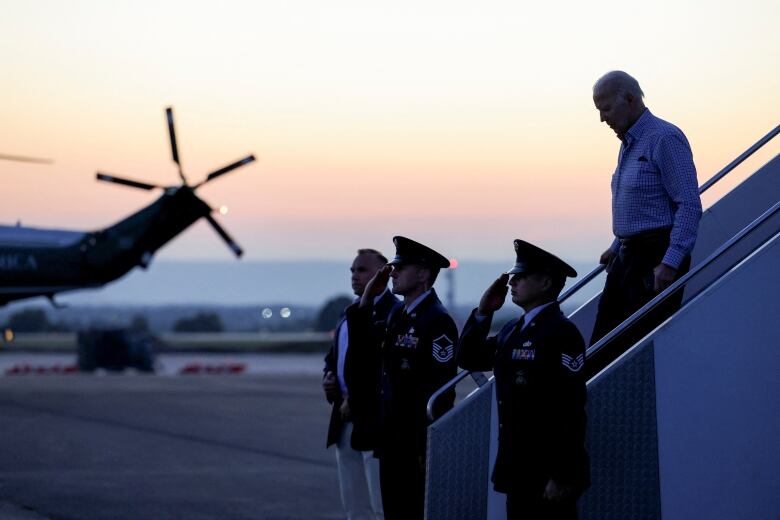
point(18, 262)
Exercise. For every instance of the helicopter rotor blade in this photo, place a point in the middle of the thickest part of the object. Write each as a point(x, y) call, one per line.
point(21, 158)
point(230, 167)
point(227, 238)
point(126, 182)
point(174, 148)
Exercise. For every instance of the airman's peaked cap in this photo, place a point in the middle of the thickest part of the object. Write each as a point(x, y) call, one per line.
point(532, 259)
point(407, 251)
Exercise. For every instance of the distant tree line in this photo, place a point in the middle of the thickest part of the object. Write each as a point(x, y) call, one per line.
point(34, 320)
point(330, 313)
point(201, 322)
point(37, 320)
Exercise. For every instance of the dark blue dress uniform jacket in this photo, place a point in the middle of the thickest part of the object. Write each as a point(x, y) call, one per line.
point(361, 374)
point(418, 357)
point(540, 388)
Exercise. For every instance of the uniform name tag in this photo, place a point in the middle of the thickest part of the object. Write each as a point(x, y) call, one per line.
point(524, 354)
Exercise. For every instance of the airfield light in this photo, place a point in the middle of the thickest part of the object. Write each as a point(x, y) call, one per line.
point(285, 312)
point(267, 313)
point(223, 210)
point(8, 334)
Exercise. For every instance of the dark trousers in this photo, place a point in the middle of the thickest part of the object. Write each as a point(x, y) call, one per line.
point(628, 287)
point(522, 506)
point(402, 480)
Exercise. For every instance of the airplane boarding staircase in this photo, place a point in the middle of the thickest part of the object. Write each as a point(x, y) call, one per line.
point(685, 423)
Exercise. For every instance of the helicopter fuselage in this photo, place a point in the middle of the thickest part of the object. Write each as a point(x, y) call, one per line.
point(44, 262)
point(40, 262)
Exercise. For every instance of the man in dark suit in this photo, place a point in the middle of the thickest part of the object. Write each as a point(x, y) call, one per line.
point(351, 384)
point(417, 348)
point(538, 362)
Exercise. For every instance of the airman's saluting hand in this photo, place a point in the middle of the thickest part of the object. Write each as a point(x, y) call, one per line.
point(376, 285)
point(494, 296)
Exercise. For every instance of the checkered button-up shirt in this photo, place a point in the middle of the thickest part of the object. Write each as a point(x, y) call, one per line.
point(654, 186)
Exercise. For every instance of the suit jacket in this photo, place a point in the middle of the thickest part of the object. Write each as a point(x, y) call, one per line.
point(540, 389)
point(417, 353)
point(361, 375)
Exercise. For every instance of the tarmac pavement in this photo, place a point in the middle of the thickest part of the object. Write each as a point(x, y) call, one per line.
point(248, 446)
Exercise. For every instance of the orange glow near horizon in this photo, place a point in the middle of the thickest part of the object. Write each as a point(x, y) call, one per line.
point(460, 125)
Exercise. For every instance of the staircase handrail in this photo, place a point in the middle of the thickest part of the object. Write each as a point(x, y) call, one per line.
point(704, 187)
point(660, 298)
point(666, 293)
point(649, 306)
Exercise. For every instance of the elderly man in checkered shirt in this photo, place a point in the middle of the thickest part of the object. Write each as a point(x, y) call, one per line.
point(655, 206)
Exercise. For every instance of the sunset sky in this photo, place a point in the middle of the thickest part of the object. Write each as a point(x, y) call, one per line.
point(461, 124)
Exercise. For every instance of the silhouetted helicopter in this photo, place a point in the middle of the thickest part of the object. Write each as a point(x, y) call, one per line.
point(44, 262)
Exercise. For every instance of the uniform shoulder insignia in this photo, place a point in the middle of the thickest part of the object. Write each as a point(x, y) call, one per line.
point(443, 349)
point(573, 363)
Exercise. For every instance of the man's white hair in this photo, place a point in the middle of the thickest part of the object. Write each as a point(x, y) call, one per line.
point(619, 82)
